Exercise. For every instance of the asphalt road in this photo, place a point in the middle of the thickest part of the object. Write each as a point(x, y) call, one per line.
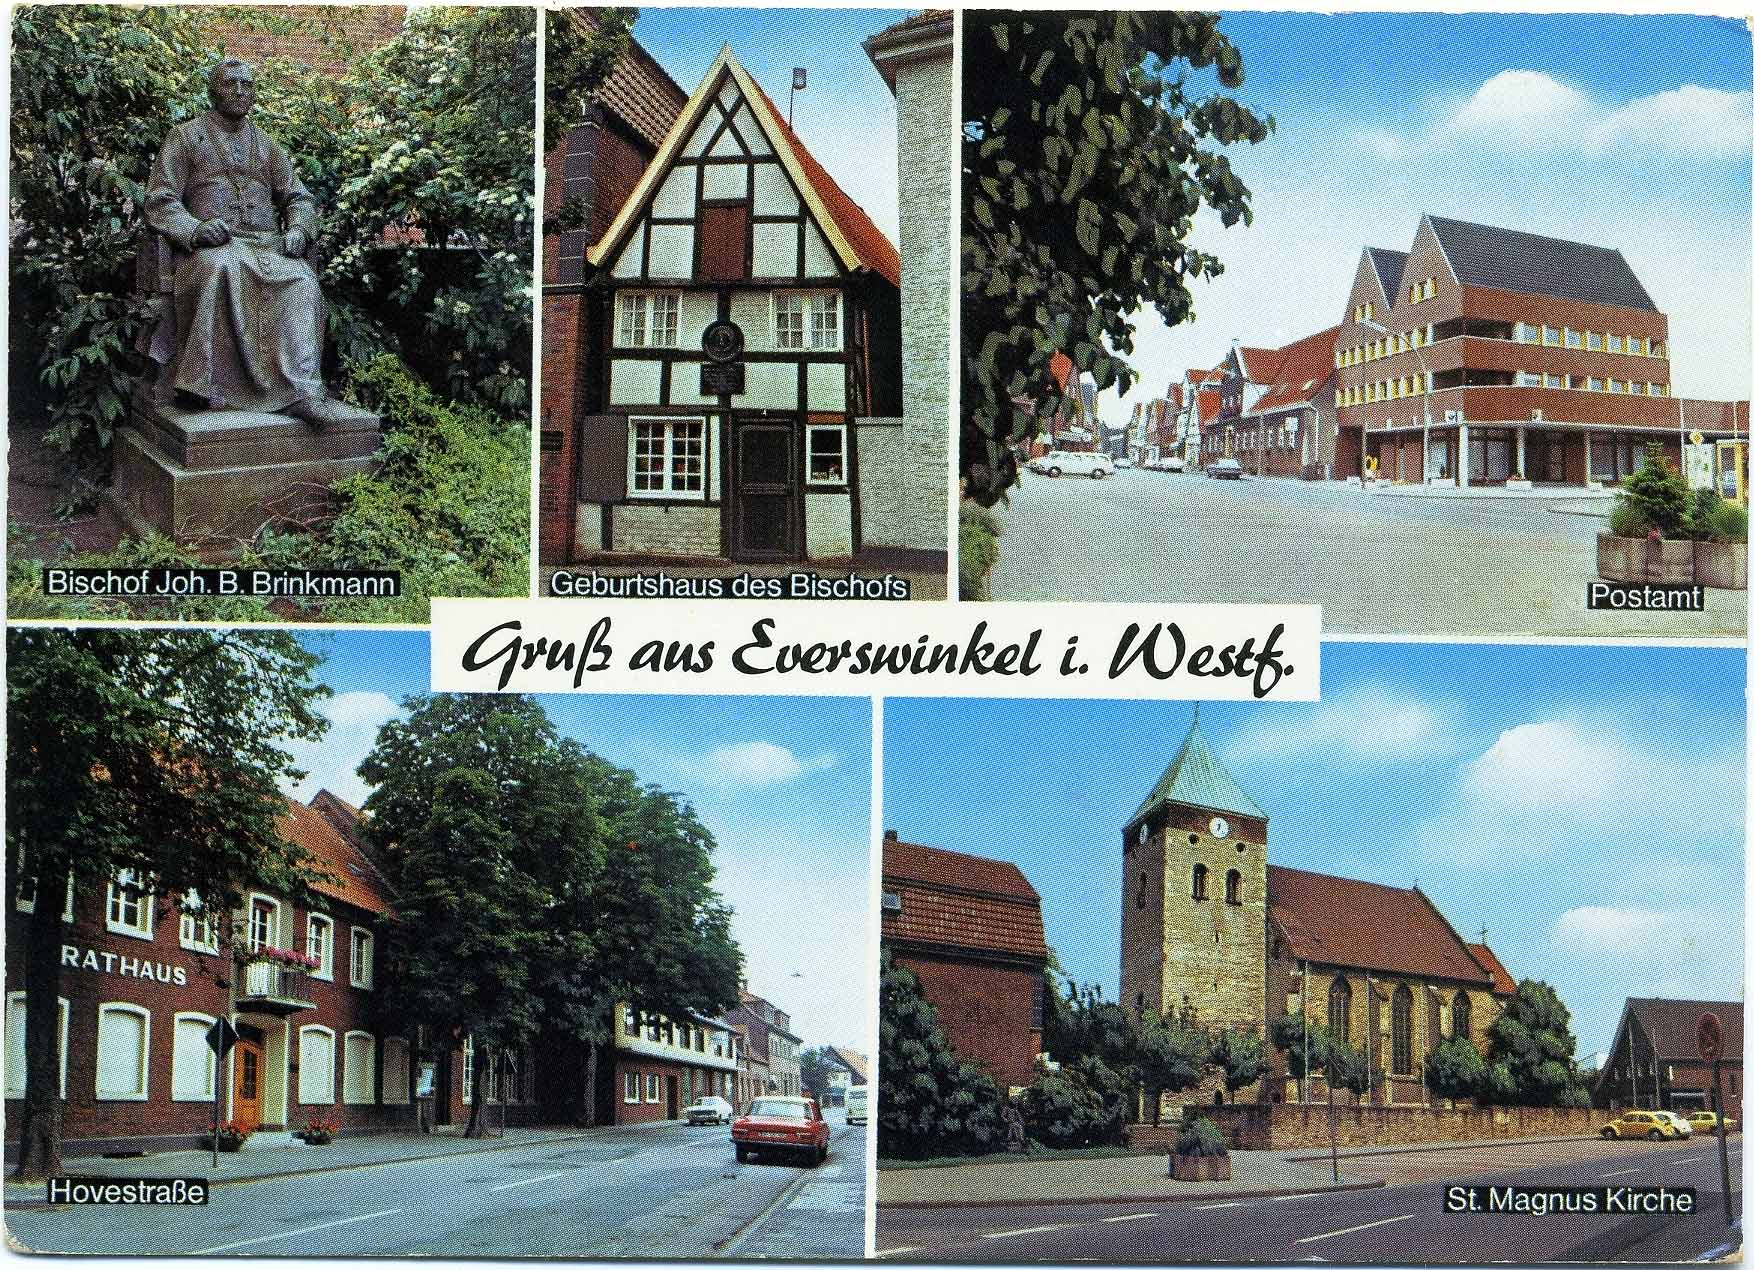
point(1378, 564)
point(670, 1192)
point(1397, 1224)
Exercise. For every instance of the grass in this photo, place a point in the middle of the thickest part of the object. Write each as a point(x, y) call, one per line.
point(1037, 1152)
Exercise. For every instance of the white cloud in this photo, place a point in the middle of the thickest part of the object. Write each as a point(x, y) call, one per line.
point(1690, 952)
point(354, 720)
point(1372, 723)
point(750, 765)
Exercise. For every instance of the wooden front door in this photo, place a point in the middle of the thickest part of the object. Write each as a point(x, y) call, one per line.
point(246, 1096)
point(765, 472)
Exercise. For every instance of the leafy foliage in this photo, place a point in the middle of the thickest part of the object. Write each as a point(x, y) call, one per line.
point(1084, 1104)
point(1201, 1138)
point(1169, 1055)
point(1455, 1069)
point(1086, 152)
point(929, 1102)
point(977, 550)
point(1657, 492)
point(1287, 1035)
point(1714, 519)
point(1239, 1054)
point(156, 752)
point(1346, 1068)
point(813, 1071)
point(1530, 1048)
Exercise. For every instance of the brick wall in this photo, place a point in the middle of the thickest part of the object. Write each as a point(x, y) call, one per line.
point(1256, 1127)
point(668, 530)
point(985, 1011)
point(330, 39)
point(691, 1083)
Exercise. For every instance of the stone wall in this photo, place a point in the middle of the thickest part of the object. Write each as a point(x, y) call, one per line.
point(884, 510)
point(1284, 1127)
point(666, 530)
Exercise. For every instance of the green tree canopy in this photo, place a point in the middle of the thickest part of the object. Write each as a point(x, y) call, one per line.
point(156, 752)
point(1304, 1044)
point(813, 1073)
point(929, 1102)
point(1455, 1069)
point(1240, 1056)
point(1169, 1055)
point(1530, 1048)
point(1087, 148)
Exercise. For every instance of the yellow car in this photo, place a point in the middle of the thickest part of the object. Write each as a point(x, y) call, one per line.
point(1640, 1124)
point(1706, 1122)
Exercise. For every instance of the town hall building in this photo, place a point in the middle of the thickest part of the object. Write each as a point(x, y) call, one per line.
point(1208, 924)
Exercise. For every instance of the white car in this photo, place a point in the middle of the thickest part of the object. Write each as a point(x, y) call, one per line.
point(1682, 1125)
point(709, 1110)
point(1174, 464)
point(1074, 463)
point(1123, 461)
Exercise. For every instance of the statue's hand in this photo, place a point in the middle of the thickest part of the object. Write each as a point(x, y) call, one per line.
point(211, 233)
point(296, 243)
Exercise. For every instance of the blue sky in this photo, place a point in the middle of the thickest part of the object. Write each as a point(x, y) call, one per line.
point(783, 783)
point(847, 114)
point(1625, 131)
point(1583, 804)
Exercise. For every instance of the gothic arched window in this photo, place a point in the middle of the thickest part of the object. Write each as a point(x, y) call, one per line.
point(1140, 901)
point(1401, 1030)
point(1340, 1009)
point(1233, 887)
point(1199, 881)
point(1461, 1017)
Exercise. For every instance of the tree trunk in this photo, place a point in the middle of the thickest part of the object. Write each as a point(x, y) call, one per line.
point(478, 1095)
point(588, 1118)
point(39, 1136)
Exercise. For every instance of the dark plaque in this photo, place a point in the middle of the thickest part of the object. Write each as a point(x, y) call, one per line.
point(723, 342)
point(718, 379)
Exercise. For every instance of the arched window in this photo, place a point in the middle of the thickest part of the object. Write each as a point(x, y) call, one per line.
point(1140, 901)
point(1233, 887)
point(1462, 1017)
point(1340, 1009)
point(1401, 1030)
point(1199, 881)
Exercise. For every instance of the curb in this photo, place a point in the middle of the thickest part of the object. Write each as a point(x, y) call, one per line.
point(1033, 1201)
point(1367, 1153)
point(728, 1247)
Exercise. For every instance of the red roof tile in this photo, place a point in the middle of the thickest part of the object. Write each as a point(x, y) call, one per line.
point(961, 902)
point(353, 878)
point(1302, 368)
point(1502, 980)
point(639, 90)
point(1260, 365)
point(1342, 922)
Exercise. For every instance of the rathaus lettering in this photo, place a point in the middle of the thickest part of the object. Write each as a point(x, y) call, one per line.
point(117, 964)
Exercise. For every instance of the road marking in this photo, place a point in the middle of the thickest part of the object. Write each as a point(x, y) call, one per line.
point(896, 1252)
point(1235, 1203)
point(1027, 1230)
point(1128, 1217)
point(1619, 1172)
point(1299, 1195)
point(290, 1234)
point(1686, 1159)
point(1352, 1230)
point(529, 1181)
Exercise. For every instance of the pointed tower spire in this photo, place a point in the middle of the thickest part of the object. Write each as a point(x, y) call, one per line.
point(1196, 778)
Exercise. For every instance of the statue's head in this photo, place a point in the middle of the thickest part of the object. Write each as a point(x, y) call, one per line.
point(231, 87)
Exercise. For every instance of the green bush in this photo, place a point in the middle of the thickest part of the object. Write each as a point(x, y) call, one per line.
point(1627, 521)
point(1084, 1104)
point(1659, 494)
point(977, 549)
point(1200, 1137)
point(1713, 519)
point(929, 1102)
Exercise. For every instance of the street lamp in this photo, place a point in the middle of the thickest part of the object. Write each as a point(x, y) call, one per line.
point(1425, 376)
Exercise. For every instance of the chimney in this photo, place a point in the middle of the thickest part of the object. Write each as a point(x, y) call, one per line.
point(892, 835)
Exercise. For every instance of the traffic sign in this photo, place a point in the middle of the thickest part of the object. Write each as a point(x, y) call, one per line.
point(221, 1037)
point(1710, 1036)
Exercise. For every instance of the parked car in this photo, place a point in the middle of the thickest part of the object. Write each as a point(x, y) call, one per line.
point(1224, 470)
point(1682, 1126)
point(1123, 461)
point(1174, 464)
point(1707, 1122)
point(710, 1110)
point(856, 1104)
point(1074, 463)
point(781, 1126)
point(1641, 1124)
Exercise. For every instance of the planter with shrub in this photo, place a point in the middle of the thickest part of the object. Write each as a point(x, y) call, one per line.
point(1720, 544)
point(1201, 1154)
point(318, 1133)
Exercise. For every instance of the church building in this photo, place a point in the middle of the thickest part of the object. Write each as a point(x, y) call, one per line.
point(1208, 924)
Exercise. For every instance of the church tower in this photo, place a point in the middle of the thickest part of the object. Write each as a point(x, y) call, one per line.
point(1194, 894)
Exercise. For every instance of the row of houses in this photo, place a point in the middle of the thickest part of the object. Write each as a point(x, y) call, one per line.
point(1479, 356)
point(318, 1035)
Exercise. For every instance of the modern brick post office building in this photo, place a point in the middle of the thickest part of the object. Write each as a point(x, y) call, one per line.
point(1483, 355)
point(971, 929)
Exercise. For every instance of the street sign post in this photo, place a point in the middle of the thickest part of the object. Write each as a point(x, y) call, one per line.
point(220, 1038)
point(1709, 1036)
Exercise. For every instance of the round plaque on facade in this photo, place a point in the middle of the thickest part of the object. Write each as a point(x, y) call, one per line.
point(722, 341)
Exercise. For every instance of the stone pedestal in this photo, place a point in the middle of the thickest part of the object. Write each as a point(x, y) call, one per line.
point(207, 477)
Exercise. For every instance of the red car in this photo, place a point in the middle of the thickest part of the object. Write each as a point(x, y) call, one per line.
point(774, 1124)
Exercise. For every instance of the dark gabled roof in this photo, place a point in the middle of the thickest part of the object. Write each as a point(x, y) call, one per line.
point(1510, 260)
point(1389, 266)
point(1672, 1025)
point(638, 90)
point(958, 901)
point(352, 877)
point(1196, 778)
point(1367, 926)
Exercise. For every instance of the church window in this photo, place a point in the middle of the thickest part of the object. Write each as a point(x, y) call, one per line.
point(1233, 887)
point(1340, 1009)
point(1037, 1002)
point(1462, 1017)
point(1139, 1005)
point(1199, 881)
point(1401, 1029)
point(1142, 891)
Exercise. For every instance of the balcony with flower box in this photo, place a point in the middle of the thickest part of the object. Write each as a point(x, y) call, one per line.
point(275, 981)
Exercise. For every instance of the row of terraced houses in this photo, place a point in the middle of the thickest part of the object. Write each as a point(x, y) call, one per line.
point(1480, 356)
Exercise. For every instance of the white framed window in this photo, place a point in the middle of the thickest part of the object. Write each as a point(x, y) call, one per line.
point(195, 928)
point(630, 1022)
point(630, 1087)
point(1593, 341)
point(1555, 381)
point(128, 909)
point(16, 1060)
point(807, 319)
point(395, 1070)
point(1528, 379)
point(825, 461)
point(1526, 333)
point(192, 1065)
point(651, 1087)
point(359, 1077)
point(24, 895)
point(124, 1031)
point(468, 1069)
point(320, 945)
point(316, 1065)
point(1616, 385)
point(1635, 388)
point(1549, 335)
point(647, 319)
point(1659, 390)
point(666, 458)
point(264, 929)
point(1596, 384)
point(359, 965)
point(1616, 344)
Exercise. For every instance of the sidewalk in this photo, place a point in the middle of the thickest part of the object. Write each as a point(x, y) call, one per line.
point(256, 1164)
point(1129, 1179)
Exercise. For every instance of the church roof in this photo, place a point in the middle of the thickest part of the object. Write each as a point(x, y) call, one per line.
point(1502, 980)
point(1196, 777)
point(1368, 926)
